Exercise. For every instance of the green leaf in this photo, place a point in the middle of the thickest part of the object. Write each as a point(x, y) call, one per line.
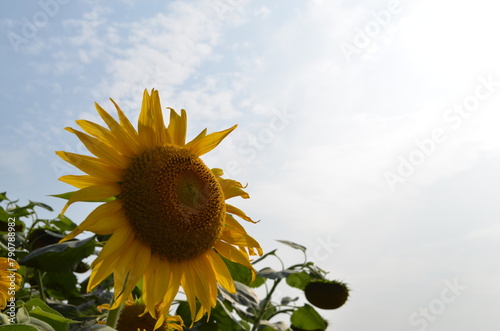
point(66, 310)
point(244, 295)
point(60, 257)
point(4, 216)
point(257, 282)
point(183, 311)
point(293, 245)
point(268, 326)
point(61, 285)
point(273, 274)
point(40, 325)
point(18, 327)
point(299, 280)
point(22, 315)
point(58, 322)
point(63, 223)
point(3, 196)
point(239, 273)
point(307, 318)
point(287, 300)
point(38, 309)
point(34, 204)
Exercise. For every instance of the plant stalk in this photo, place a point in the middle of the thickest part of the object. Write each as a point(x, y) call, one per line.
point(264, 305)
point(113, 317)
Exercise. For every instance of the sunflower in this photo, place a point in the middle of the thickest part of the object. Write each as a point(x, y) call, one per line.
point(166, 210)
point(133, 318)
point(9, 280)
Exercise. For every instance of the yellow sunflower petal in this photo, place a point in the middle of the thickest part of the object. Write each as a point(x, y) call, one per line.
point(217, 172)
point(151, 124)
point(233, 210)
point(232, 188)
point(101, 133)
point(175, 271)
point(123, 139)
point(187, 283)
point(175, 322)
point(118, 241)
point(72, 234)
point(238, 239)
point(177, 127)
point(232, 254)
point(92, 166)
point(133, 136)
point(136, 260)
point(105, 219)
point(161, 280)
point(207, 143)
point(151, 295)
point(83, 181)
point(100, 272)
point(223, 275)
point(231, 222)
point(205, 281)
point(93, 193)
point(158, 122)
point(100, 149)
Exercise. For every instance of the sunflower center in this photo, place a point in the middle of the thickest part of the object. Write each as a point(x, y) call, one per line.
point(173, 202)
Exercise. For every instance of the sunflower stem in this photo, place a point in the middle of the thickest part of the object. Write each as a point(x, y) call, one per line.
point(113, 317)
point(41, 289)
point(264, 305)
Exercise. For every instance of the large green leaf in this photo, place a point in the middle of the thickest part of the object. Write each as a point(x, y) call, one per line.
point(38, 309)
point(239, 273)
point(299, 280)
point(61, 285)
point(307, 318)
point(60, 257)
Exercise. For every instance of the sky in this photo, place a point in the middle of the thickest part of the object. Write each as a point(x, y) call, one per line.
point(367, 130)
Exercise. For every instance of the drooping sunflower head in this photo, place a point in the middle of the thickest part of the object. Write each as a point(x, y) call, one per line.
point(168, 215)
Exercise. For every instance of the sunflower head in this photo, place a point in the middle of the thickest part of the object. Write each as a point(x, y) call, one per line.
point(166, 210)
point(10, 280)
point(133, 318)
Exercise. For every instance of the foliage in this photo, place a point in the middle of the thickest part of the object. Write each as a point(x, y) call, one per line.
point(53, 293)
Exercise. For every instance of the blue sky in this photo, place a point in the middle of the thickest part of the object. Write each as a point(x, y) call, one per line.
point(367, 129)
